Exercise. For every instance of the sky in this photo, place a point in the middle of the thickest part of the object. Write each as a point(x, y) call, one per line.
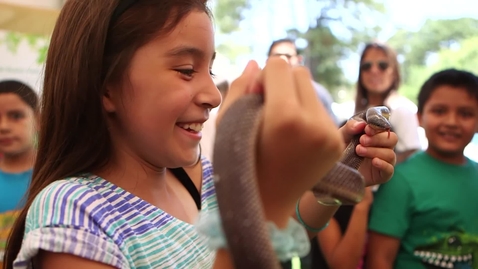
point(269, 19)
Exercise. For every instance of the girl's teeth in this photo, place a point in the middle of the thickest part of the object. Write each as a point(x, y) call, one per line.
point(194, 126)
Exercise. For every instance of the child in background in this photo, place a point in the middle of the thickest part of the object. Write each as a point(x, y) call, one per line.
point(426, 216)
point(18, 116)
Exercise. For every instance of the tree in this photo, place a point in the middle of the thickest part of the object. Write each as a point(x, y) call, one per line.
point(229, 13)
point(322, 54)
point(463, 56)
point(338, 30)
point(418, 47)
point(437, 45)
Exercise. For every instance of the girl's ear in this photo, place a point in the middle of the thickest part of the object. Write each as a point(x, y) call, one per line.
point(108, 100)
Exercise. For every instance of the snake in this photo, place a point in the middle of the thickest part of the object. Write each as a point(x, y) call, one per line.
point(237, 192)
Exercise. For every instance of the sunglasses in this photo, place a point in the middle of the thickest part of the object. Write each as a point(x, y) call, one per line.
point(382, 65)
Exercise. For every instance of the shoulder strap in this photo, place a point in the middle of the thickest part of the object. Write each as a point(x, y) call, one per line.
point(184, 178)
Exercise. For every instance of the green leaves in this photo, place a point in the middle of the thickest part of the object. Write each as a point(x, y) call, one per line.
point(229, 13)
point(439, 44)
point(13, 40)
point(341, 26)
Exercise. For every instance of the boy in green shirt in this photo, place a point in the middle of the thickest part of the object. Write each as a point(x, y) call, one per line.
point(426, 216)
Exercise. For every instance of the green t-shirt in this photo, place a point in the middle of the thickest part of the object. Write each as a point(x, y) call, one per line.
point(432, 207)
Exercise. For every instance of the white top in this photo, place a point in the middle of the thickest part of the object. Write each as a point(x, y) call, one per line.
point(404, 122)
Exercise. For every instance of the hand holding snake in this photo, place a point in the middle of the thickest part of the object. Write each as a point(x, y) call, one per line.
point(296, 144)
point(377, 149)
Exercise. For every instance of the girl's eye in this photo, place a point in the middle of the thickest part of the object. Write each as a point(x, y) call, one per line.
point(186, 72)
point(438, 111)
point(191, 72)
point(16, 115)
point(466, 114)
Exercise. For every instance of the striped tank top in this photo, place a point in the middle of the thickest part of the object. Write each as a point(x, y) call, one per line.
point(91, 218)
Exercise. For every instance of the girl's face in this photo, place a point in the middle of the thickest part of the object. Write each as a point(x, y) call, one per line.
point(17, 125)
point(158, 114)
point(377, 71)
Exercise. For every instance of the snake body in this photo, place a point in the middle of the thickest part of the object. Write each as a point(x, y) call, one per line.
point(240, 207)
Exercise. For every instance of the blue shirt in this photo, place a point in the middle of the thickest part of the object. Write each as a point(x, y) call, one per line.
point(13, 187)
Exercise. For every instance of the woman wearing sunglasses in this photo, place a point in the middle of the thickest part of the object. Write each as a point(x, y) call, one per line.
point(342, 243)
point(378, 82)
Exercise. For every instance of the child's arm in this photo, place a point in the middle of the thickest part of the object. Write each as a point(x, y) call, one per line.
point(314, 214)
point(344, 251)
point(382, 251)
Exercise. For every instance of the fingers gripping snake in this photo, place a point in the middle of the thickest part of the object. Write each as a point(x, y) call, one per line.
point(238, 197)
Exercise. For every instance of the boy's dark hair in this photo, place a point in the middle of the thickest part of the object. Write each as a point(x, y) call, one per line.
point(451, 77)
point(27, 94)
point(280, 41)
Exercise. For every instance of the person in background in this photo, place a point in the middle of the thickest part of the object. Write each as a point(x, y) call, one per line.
point(18, 123)
point(286, 49)
point(378, 84)
point(426, 216)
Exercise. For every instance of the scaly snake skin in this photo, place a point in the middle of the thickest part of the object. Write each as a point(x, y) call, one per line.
point(238, 197)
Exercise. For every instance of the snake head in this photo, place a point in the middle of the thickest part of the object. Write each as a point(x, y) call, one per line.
point(379, 118)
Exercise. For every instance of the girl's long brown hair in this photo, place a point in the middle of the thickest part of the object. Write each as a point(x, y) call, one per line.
point(361, 99)
point(86, 53)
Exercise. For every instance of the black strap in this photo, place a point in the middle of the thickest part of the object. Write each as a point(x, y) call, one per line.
point(184, 178)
